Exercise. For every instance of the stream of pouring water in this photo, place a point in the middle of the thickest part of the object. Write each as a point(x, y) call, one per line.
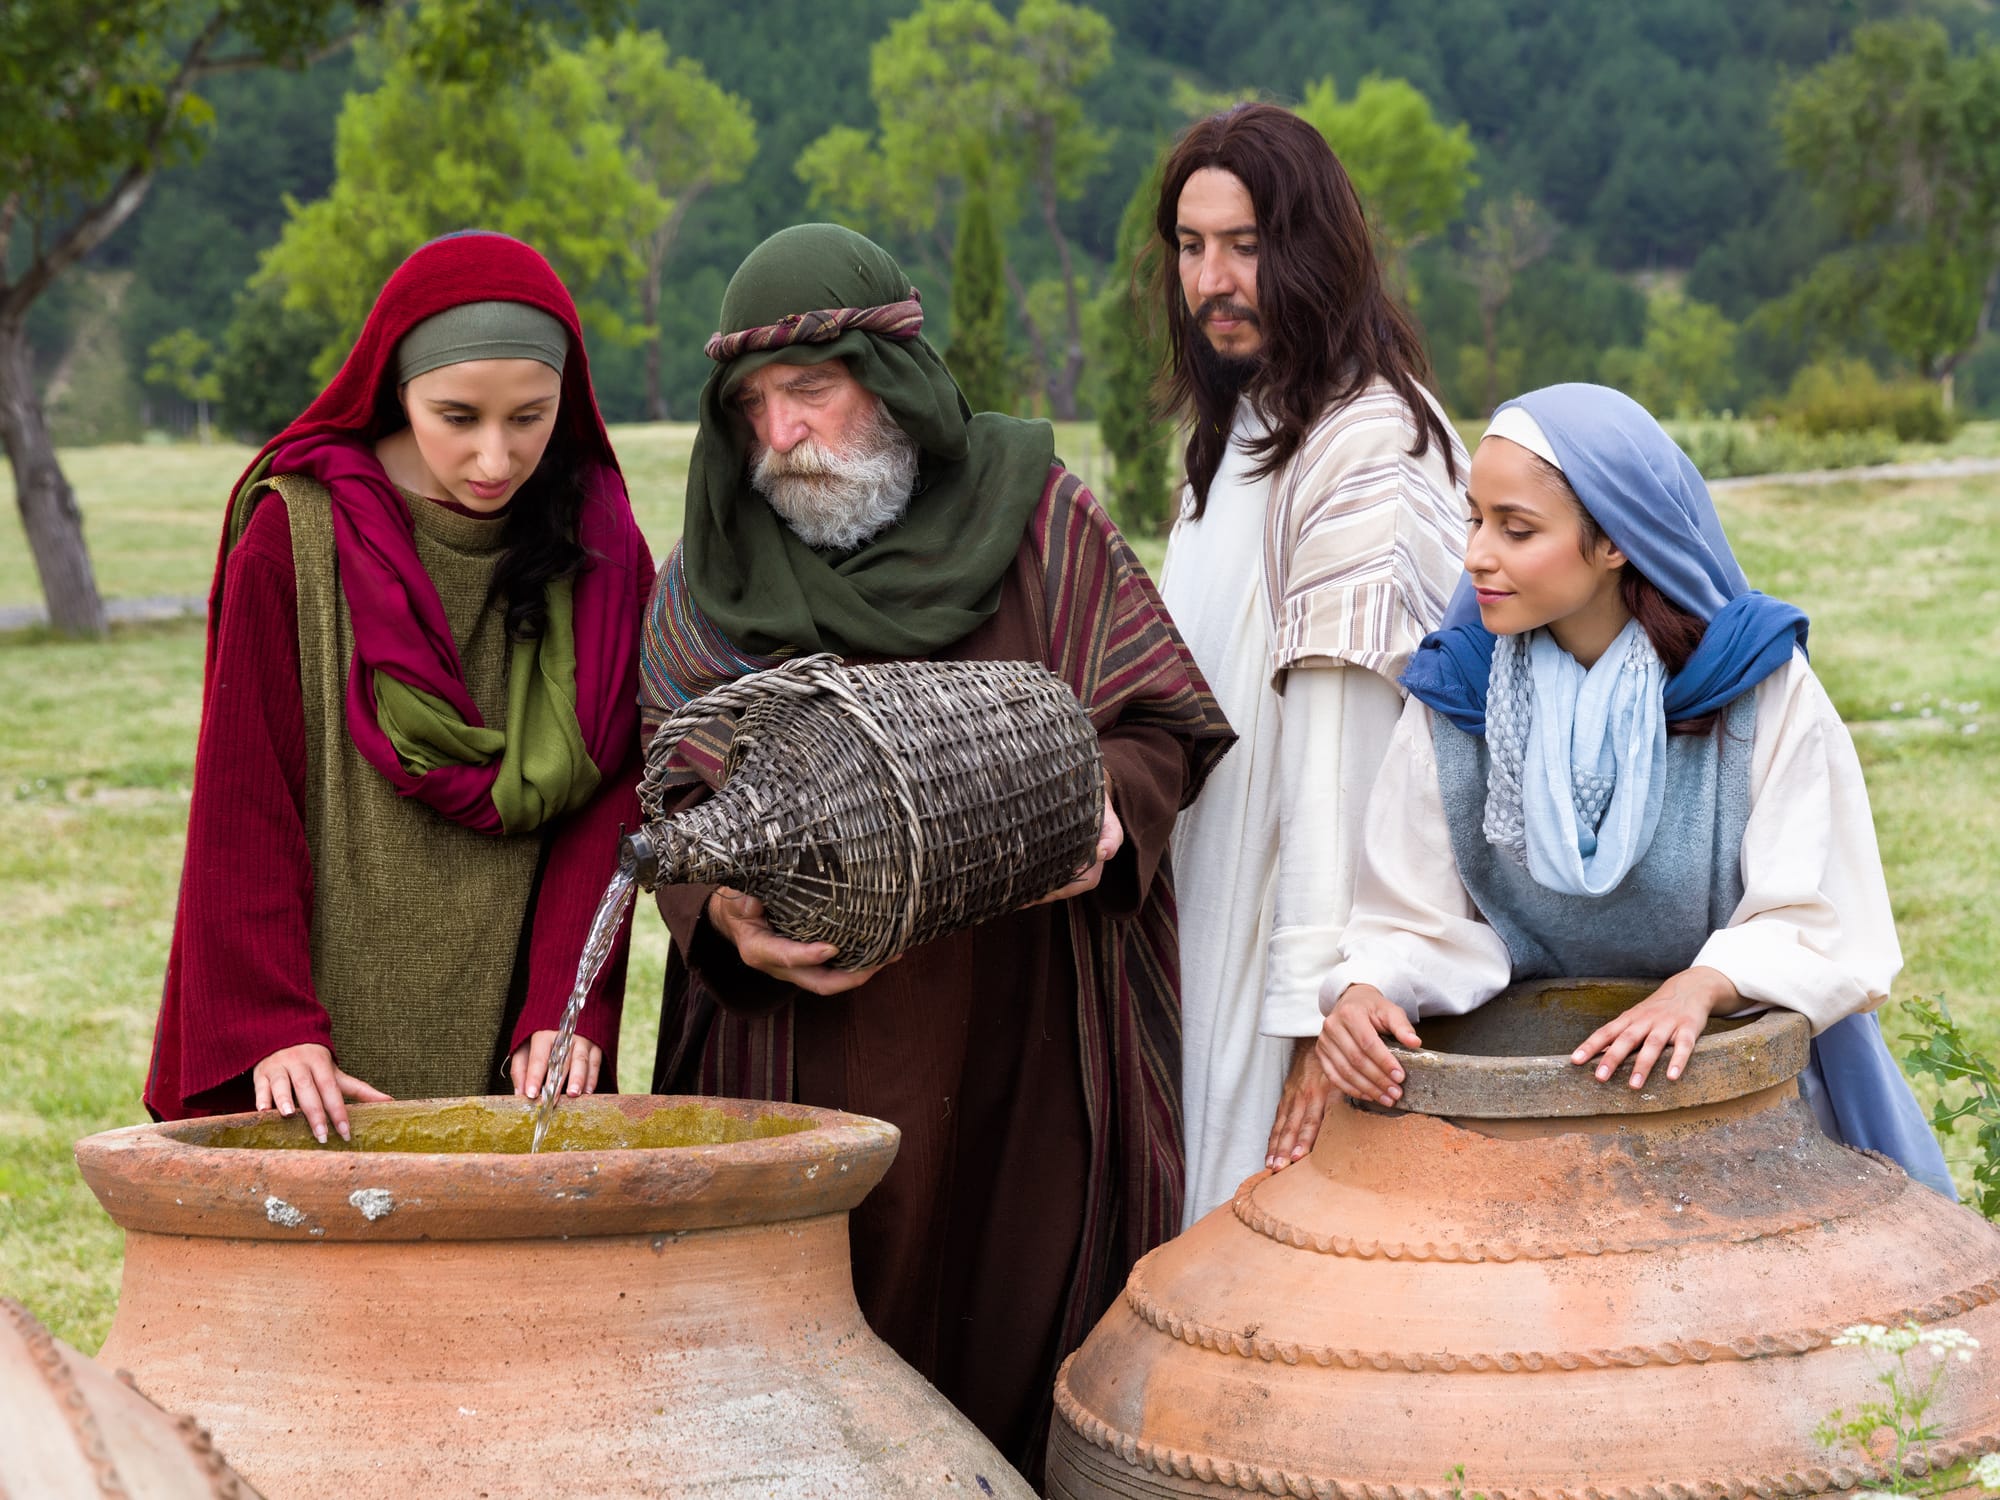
point(596, 948)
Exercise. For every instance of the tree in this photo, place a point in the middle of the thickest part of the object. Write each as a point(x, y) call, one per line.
point(93, 111)
point(1511, 235)
point(978, 353)
point(96, 103)
point(263, 368)
point(1411, 172)
point(1899, 140)
point(683, 135)
point(954, 77)
point(544, 160)
point(1131, 357)
point(184, 363)
point(1686, 366)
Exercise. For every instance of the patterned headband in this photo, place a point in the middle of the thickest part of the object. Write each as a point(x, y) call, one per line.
point(892, 320)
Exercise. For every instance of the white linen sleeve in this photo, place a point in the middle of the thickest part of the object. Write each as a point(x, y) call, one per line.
point(1813, 932)
point(1335, 726)
point(1413, 932)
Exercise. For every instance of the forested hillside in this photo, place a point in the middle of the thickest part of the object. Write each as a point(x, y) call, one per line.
point(1638, 139)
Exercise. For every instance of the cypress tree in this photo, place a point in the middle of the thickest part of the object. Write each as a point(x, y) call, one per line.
point(978, 352)
point(1142, 494)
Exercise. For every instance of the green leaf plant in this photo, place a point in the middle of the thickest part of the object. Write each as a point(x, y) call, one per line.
point(1968, 1084)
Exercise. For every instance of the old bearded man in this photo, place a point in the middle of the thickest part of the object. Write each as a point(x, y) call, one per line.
point(842, 497)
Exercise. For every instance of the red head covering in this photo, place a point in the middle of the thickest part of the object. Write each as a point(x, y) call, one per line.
point(399, 624)
point(473, 265)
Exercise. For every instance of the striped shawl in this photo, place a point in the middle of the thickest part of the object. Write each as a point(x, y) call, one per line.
point(1363, 543)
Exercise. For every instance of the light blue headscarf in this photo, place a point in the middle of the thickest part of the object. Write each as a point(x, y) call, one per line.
point(1578, 756)
point(1648, 497)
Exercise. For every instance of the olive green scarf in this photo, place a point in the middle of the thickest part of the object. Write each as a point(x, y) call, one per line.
point(928, 580)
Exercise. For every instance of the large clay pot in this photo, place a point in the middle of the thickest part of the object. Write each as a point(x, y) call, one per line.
point(658, 1304)
point(1554, 1286)
point(76, 1433)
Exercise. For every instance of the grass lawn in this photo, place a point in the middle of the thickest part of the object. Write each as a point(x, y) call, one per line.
point(153, 511)
point(1902, 581)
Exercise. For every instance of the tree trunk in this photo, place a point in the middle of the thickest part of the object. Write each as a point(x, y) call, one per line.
point(1489, 320)
point(1063, 383)
point(649, 310)
point(49, 511)
point(1037, 347)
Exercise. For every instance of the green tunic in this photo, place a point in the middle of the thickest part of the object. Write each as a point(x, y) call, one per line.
point(416, 921)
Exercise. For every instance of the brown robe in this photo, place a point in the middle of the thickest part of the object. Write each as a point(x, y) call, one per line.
point(971, 1259)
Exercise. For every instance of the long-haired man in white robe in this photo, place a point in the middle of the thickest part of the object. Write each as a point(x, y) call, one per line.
point(1321, 531)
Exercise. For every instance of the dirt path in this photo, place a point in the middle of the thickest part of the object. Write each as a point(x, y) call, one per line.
point(1934, 468)
point(160, 607)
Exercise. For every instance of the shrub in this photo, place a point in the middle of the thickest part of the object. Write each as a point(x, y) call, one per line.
point(1848, 396)
point(1726, 449)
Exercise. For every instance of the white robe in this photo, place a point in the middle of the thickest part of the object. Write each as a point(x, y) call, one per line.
point(1264, 860)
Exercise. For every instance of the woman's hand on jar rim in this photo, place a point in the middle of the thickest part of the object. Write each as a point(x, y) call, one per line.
point(530, 1065)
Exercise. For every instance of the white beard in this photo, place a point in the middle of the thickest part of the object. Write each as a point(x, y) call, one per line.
point(837, 501)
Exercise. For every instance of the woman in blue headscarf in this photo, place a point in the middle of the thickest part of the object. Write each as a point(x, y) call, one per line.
point(1615, 760)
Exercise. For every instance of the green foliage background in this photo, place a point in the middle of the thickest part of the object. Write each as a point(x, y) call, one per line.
point(1646, 133)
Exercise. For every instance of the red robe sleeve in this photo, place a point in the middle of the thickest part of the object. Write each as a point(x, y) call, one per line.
point(583, 855)
point(239, 973)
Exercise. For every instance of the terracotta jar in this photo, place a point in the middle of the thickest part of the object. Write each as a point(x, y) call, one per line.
point(74, 1432)
point(657, 1304)
point(1543, 1284)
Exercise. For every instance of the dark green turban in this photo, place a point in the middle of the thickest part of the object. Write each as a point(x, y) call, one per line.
point(806, 295)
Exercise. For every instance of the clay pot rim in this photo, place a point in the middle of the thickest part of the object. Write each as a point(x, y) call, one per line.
point(1725, 1064)
point(161, 1178)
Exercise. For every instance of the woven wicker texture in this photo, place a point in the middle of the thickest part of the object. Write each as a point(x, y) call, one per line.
point(878, 807)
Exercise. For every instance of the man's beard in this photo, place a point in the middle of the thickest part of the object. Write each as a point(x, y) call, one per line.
point(835, 501)
point(1223, 376)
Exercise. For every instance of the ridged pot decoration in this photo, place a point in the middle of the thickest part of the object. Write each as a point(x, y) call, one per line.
point(657, 1304)
point(1555, 1287)
point(77, 1432)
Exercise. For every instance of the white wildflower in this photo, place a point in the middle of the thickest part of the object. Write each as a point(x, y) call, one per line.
point(1987, 1471)
point(1944, 1342)
point(1938, 1341)
point(1862, 1336)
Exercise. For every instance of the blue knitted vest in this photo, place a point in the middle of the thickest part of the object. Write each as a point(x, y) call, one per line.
point(1684, 888)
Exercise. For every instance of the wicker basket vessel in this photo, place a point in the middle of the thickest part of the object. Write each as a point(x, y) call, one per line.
point(878, 807)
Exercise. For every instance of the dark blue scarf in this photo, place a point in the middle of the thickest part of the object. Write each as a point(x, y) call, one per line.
point(1649, 499)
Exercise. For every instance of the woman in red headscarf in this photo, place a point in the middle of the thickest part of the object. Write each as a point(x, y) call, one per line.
point(419, 737)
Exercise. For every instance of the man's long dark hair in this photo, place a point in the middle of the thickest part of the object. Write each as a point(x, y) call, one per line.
point(1329, 326)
